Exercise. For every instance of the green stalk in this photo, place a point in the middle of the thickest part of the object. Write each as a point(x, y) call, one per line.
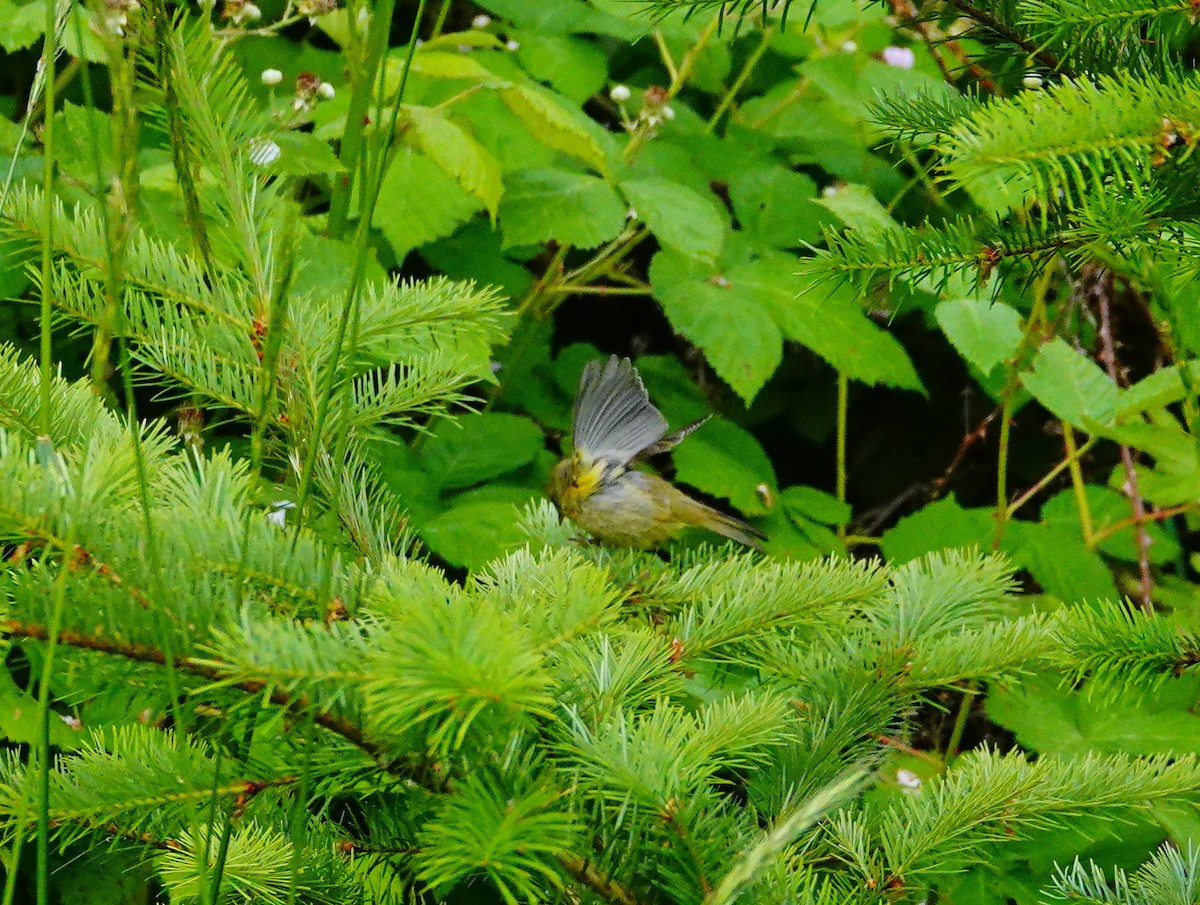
point(843, 407)
point(331, 377)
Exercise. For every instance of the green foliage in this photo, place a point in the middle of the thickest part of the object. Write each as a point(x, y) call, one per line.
point(285, 617)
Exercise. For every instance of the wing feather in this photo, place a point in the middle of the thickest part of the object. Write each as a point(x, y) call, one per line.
point(613, 416)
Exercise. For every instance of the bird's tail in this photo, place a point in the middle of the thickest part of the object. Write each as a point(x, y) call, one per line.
point(728, 526)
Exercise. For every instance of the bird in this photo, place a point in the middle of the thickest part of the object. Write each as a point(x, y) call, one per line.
point(615, 427)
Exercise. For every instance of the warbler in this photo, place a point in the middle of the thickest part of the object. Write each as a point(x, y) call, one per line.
point(614, 426)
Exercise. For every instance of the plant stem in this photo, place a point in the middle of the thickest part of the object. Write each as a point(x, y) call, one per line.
point(742, 78)
point(843, 407)
point(1078, 485)
point(1048, 477)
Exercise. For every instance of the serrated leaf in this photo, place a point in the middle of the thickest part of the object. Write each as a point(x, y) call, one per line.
point(555, 205)
point(418, 202)
point(457, 152)
point(1165, 386)
point(442, 66)
point(815, 504)
point(472, 534)
point(1059, 560)
point(775, 206)
point(940, 525)
point(1071, 386)
point(552, 125)
point(736, 334)
point(725, 460)
point(303, 154)
point(680, 217)
point(984, 333)
point(859, 209)
point(829, 321)
point(478, 447)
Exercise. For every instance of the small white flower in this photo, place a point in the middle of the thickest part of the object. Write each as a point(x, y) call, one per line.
point(620, 93)
point(326, 91)
point(73, 721)
point(1032, 80)
point(829, 191)
point(271, 77)
point(668, 113)
point(908, 780)
point(512, 46)
point(279, 511)
point(900, 57)
point(263, 151)
point(481, 22)
point(849, 47)
point(251, 12)
point(631, 214)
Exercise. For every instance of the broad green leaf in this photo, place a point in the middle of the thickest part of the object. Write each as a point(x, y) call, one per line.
point(573, 66)
point(453, 149)
point(418, 202)
point(569, 17)
point(479, 447)
point(940, 525)
point(472, 534)
point(679, 217)
point(1051, 718)
point(440, 65)
point(859, 209)
point(736, 334)
point(1164, 387)
point(815, 504)
point(555, 205)
point(1107, 507)
point(1070, 385)
point(552, 124)
point(776, 206)
point(1059, 560)
point(829, 321)
point(725, 460)
point(303, 154)
point(984, 333)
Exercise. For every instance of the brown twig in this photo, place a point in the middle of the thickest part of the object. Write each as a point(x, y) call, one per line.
point(1011, 35)
point(909, 16)
point(1101, 290)
point(144, 653)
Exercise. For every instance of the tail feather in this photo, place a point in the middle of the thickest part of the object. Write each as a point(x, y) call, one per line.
point(726, 525)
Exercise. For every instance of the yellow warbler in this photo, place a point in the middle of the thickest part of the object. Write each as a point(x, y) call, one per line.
point(614, 427)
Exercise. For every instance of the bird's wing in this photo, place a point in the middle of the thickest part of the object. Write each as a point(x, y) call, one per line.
point(673, 439)
point(614, 418)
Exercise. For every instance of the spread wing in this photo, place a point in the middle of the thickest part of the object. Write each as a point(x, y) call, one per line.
point(614, 418)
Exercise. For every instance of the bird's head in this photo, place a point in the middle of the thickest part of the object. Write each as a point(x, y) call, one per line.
point(572, 481)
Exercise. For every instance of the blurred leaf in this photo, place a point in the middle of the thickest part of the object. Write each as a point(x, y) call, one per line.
point(942, 524)
point(458, 153)
point(986, 334)
point(775, 206)
point(816, 505)
point(679, 217)
point(552, 124)
point(1057, 557)
point(1070, 385)
point(573, 66)
point(859, 209)
point(830, 321)
point(554, 205)
point(738, 337)
point(724, 460)
point(303, 154)
point(419, 202)
point(475, 448)
point(472, 534)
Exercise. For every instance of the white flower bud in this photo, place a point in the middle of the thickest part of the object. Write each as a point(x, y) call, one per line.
point(326, 91)
point(849, 47)
point(251, 12)
point(620, 93)
point(271, 77)
point(900, 57)
point(1032, 80)
point(481, 22)
point(668, 113)
point(512, 46)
